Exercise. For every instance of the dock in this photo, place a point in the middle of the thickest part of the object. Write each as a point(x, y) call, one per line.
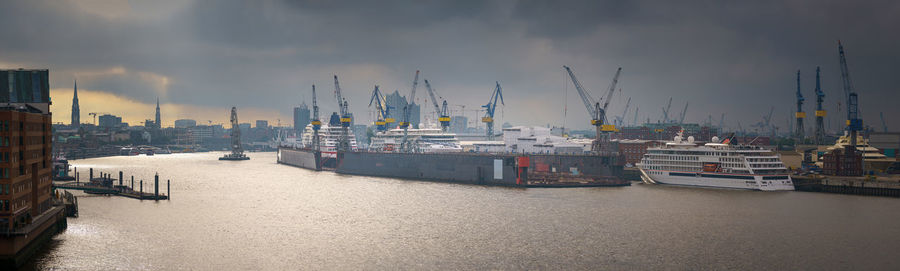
point(887, 186)
point(105, 184)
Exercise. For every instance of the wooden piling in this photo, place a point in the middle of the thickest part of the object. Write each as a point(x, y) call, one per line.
point(91, 175)
point(168, 190)
point(120, 178)
point(142, 190)
point(156, 186)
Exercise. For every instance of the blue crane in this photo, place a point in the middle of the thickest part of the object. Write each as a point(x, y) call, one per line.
point(345, 117)
point(443, 112)
point(596, 112)
point(854, 123)
point(799, 114)
point(405, 145)
point(382, 118)
point(820, 112)
point(488, 118)
point(316, 123)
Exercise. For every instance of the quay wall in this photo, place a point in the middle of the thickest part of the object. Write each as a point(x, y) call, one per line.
point(486, 169)
point(307, 159)
point(16, 248)
point(847, 185)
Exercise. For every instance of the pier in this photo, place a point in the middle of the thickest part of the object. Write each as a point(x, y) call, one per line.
point(105, 184)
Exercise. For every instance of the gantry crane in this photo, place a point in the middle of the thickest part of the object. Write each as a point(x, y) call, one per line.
point(346, 118)
point(405, 145)
point(488, 118)
point(799, 114)
point(820, 112)
point(382, 119)
point(597, 113)
point(442, 111)
point(316, 123)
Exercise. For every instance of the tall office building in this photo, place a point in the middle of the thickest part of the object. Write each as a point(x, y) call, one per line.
point(301, 117)
point(76, 112)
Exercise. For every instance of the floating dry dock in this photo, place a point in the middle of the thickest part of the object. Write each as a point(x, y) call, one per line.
point(521, 170)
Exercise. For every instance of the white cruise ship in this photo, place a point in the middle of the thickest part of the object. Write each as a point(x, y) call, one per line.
point(427, 140)
point(682, 162)
point(328, 139)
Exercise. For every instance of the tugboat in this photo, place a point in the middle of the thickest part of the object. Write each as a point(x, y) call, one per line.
point(237, 152)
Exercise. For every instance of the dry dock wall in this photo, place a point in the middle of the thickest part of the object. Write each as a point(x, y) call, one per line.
point(458, 168)
point(307, 159)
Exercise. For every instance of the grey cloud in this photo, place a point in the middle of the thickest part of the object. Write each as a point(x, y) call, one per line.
point(733, 57)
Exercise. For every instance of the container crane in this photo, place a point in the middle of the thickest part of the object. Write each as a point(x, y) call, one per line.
point(799, 114)
point(636, 109)
point(854, 123)
point(621, 119)
point(666, 111)
point(382, 110)
point(683, 113)
point(488, 118)
point(820, 112)
point(316, 123)
point(597, 113)
point(443, 112)
point(405, 145)
point(346, 118)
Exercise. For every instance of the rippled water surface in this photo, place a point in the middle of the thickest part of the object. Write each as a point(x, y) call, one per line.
point(256, 214)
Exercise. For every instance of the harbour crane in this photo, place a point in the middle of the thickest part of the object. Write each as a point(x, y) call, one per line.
point(443, 112)
point(854, 123)
point(722, 123)
point(799, 114)
point(488, 118)
point(94, 114)
point(666, 111)
point(382, 118)
point(683, 113)
point(597, 113)
point(346, 118)
point(621, 119)
point(768, 119)
point(636, 109)
point(316, 123)
point(405, 145)
point(820, 112)
point(883, 124)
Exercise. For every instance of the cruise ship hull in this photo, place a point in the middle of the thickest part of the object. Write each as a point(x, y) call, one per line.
point(749, 182)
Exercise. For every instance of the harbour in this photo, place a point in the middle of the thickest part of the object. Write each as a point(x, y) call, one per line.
point(258, 214)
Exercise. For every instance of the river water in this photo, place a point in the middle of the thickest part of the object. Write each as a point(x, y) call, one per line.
point(258, 215)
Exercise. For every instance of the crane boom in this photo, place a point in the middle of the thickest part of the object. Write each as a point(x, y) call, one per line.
point(443, 113)
point(589, 101)
point(883, 124)
point(854, 124)
point(666, 111)
point(612, 89)
point(621, 119)
point(683, 113)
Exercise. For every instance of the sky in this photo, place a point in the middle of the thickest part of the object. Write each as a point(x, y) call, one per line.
point(737, 58)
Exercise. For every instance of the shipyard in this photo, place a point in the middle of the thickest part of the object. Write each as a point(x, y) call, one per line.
point(498, 135)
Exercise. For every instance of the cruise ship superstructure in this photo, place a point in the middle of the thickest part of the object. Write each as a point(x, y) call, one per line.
point(718, 164)
point(425, 140)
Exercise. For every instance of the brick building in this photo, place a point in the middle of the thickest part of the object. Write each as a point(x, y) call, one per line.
point(634, 149)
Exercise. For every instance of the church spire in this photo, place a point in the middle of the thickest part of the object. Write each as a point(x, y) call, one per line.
point(158, 121)
point(76, 112)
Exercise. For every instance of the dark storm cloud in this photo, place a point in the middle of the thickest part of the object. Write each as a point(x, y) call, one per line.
point(733, 57)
